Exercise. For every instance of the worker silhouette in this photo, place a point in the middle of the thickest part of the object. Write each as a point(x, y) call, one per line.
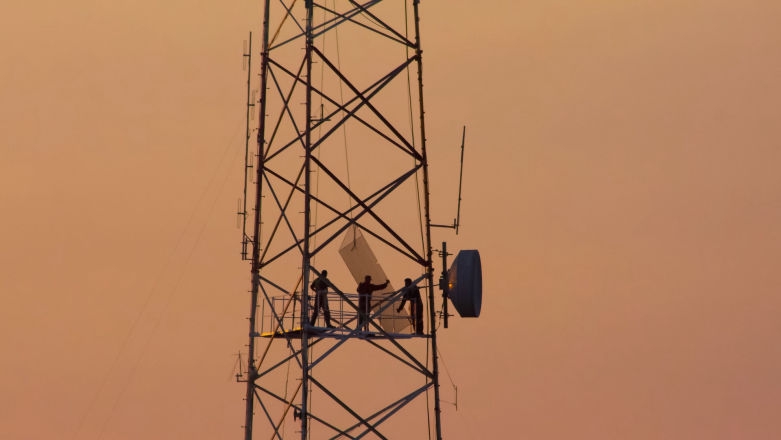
point(320, 286)
point(365, 290)
point(411, 293)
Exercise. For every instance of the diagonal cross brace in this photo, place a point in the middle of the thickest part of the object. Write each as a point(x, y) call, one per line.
point(393, 407)
point(368, 210)
point(401, 40)
point(325, 25)
point(372, 90)
point(386, 190)
point(365, 99)
point(352, 208)
point(298, 407)
point(383, 24)
point(346, 407)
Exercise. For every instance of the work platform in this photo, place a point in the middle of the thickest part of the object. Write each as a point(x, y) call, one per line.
point(344, 318)
point(339, 333)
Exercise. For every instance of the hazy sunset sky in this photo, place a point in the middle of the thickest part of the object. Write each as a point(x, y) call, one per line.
point(622, 185)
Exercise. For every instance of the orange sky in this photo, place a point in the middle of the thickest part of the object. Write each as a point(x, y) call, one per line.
point(621, 184)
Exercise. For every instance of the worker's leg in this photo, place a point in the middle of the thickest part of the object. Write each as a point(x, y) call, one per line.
point(418, 306)
point(323, 294)
point(367, 308)
point(317, 308)
point(361, 311)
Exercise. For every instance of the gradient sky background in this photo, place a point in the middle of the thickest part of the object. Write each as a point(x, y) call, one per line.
point(622, 185)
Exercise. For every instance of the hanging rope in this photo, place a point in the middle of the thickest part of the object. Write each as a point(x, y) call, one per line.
point(341, 103)
point(171, 293)
point(319, 136)
point(412, 130)
point(279, 28)
point(311, 353)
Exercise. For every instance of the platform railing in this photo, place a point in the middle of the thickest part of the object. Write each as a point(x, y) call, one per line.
point(342, 314)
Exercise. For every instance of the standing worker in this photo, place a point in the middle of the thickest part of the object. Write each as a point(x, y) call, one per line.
point(412, 293)
point(365, 290)
point(320, 286)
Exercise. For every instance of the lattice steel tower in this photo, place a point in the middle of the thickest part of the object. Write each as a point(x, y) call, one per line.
point(327, 68)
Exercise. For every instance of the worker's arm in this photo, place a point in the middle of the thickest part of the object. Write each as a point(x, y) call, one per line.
point(374, 287)
point(403, 301)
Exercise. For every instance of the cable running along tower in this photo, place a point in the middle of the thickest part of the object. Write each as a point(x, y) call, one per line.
point(327, 69)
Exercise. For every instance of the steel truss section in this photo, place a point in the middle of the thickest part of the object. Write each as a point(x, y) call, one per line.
point(293, 128)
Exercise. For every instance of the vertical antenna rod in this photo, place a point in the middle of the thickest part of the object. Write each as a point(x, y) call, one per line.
point(457, 221)
point(307, 227)
point(460, 179)
point(429, 263)
point(243, 212)
point(252, 373)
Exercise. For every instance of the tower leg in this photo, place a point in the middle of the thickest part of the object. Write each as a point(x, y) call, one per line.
point(429, 262)
point(307, 227)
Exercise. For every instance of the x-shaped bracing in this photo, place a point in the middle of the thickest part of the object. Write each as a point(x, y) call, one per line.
point(363, 96)
point(365, 204)
point(367, 422)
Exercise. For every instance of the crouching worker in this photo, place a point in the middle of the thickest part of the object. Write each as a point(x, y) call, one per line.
point(411, 293)
point(320, 286)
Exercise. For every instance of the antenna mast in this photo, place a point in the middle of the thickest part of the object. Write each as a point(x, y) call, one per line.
point(457, 221)
point(252, 373)
point(242, 209)
point(460, 179)
point(427, 207)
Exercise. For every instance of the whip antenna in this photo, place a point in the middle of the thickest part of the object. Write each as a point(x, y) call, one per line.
point(457, 220)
